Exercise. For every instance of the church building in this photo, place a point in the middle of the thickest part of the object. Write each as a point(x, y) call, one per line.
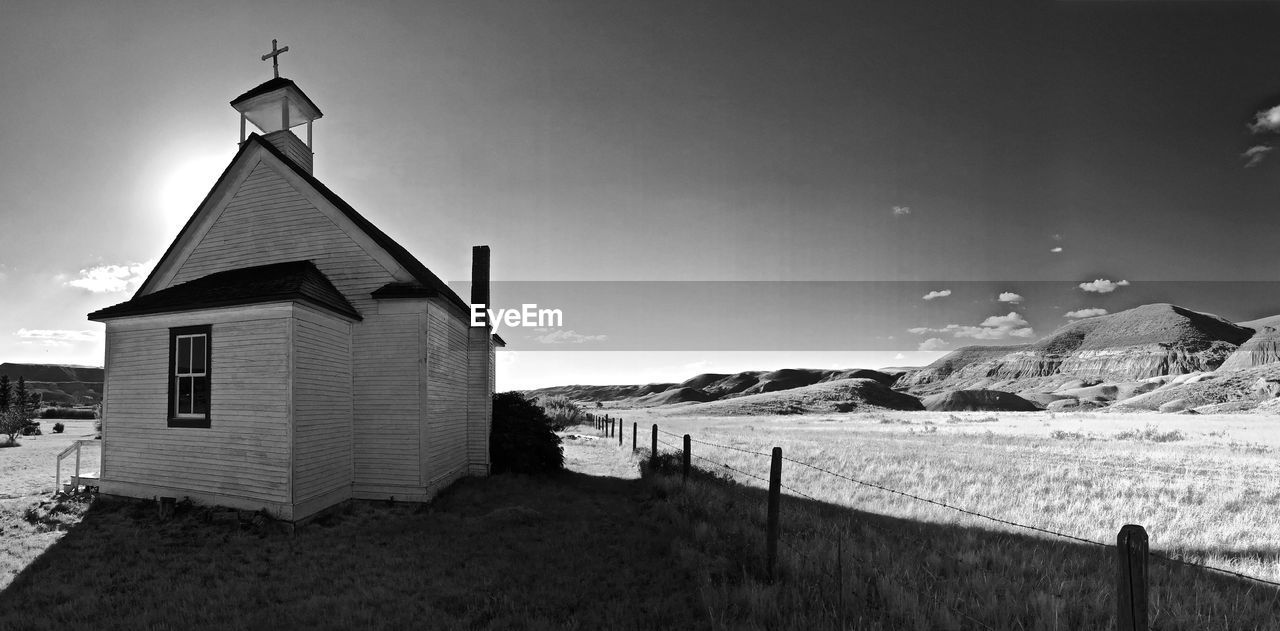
point(285, 354)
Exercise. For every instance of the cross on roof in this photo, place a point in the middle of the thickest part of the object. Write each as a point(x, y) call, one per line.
point(274, 55)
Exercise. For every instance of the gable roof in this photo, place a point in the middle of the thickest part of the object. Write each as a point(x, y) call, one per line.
point(295, 280)
point(428, 282)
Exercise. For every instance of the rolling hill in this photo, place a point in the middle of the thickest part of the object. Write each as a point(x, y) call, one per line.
point(71, 385)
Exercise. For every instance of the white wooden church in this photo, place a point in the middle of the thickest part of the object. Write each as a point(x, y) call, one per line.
point(286, 354)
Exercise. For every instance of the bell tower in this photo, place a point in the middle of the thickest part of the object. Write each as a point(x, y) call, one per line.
point(276, 107)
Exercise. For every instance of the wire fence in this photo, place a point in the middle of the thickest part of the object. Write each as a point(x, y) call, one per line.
point(1132, 540)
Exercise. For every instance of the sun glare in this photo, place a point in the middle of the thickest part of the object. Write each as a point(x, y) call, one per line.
point(185, 186)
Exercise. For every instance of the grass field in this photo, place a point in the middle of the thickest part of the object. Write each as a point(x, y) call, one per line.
point(1204, 488)
point(602, 548)
point(577, 551)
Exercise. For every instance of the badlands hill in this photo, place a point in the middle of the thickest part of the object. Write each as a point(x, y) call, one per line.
point(75, 385)
point(781, 391)
point(1153, 357)
point(1147, 341)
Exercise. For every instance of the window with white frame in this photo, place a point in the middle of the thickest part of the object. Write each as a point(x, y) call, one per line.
point(189, 376)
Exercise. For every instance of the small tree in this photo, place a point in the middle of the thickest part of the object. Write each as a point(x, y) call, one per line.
point(6, 392)
point(11, 424)
point(25, 404)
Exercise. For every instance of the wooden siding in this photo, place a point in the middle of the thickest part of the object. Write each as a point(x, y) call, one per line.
point(292, 146)
point(268, 221)
point(245, 451)
point(445, 416)
point(387, 406)
point(322, 405)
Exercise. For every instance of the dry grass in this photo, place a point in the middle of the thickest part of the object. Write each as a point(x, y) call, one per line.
point(28, 468)
point(508, 552)
point(908, 564)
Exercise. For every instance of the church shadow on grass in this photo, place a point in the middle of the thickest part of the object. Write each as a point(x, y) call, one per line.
point(583, 552)
point(565, 552)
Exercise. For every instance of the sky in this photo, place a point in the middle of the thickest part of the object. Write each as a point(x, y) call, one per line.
point(696, 186)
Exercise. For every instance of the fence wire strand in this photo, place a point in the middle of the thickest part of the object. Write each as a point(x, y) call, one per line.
point(1158, 555)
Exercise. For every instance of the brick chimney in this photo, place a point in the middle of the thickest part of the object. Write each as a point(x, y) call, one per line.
point(480, 278)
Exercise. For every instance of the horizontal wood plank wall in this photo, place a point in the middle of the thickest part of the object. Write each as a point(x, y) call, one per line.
point(245, 451)
point(446, 410)
point(267, 221)
point(292, 146)
point(387, 405)
point(322, 404)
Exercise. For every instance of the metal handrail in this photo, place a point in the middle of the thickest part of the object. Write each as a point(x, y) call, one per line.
point(75, 446)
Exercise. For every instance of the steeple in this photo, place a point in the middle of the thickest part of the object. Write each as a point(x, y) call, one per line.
point(276, 107)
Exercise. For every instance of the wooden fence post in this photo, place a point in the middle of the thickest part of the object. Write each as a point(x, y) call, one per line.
point(620, 430)
point(1131, 579)
point(771, 531)
point(687, 458)
point(653, 453)
point(634, 429)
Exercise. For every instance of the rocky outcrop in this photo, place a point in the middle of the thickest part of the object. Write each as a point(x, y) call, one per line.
point(1261, 349)
point(1147, 341)
point(978, 401)
point(969, 362)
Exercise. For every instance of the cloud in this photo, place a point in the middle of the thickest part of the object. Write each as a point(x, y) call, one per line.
point(899, 211)
point(1085, 313)
point(1254, 155)
point(1056, 250)
point(993, 328)
point(937, 294)
point(567, 337)
point(899, 356)
point(57, 337)
point(1103, 286)
point(931, 344)
point(1266, 121)
point(111, 278)
point(1010, 297)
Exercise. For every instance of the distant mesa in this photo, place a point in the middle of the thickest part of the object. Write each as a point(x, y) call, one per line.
point(783, 391)
point(58, 384)
point(1153, 357)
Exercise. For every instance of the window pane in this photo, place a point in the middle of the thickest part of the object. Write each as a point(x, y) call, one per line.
point(184, 355)
point(184, 395)
point(200, 397)
point(197, 355)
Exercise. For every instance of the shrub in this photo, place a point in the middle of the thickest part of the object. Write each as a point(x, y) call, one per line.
point(11, 424)
point(562, 412)
point(58, 428)
point(65, 413)
point(1151, 433)
point(522, 439)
